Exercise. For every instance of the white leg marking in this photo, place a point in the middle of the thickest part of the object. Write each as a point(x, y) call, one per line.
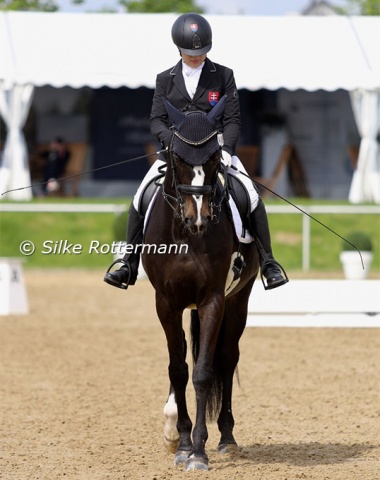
point(171, 436)
point(199, 180)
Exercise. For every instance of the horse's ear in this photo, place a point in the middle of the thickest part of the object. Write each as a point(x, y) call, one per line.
point(214, 115)
point(175, 116)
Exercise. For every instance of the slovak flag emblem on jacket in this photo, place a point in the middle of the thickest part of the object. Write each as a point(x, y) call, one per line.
point(213, 98)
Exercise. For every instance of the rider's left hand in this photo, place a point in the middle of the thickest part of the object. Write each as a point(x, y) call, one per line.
point(226, 159)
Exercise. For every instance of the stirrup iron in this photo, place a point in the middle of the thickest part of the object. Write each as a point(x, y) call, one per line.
point(270, 262)
point(123, 285)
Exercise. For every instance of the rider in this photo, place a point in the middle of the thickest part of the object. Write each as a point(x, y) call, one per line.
point(196, 83)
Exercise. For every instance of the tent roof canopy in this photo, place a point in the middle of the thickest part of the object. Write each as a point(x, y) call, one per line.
point(295, 52)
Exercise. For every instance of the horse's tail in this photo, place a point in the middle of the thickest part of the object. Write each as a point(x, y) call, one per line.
point(214, 401)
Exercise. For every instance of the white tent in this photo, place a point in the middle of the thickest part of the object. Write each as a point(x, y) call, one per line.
point(97, 50)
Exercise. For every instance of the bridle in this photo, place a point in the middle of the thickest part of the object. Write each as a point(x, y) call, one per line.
point(217, 192)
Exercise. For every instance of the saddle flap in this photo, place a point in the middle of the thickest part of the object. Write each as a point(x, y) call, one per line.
point(148, 194)
point(241, 198)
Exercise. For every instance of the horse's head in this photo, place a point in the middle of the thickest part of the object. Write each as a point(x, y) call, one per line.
point(195, 154)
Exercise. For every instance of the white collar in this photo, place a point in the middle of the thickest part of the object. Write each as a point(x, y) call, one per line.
point(189, 71)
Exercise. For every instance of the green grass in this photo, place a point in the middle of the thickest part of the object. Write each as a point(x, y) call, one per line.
point(325, 246)
point(83, 228)
point(75, 228)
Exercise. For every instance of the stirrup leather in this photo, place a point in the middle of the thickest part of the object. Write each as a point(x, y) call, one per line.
point(268, 263)
point(123, 285)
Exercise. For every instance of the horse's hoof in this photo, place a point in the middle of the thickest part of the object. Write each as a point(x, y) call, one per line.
point(171, 445)
point(225, 448)
point(181, 457)
point(196, 463)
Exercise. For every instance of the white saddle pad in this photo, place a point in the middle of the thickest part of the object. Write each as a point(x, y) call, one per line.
point(243, 235)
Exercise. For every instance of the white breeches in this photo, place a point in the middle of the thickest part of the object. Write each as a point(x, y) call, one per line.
point(247, 182)
point(153, 172)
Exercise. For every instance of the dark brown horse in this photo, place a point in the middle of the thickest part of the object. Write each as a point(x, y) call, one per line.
point(193, 211)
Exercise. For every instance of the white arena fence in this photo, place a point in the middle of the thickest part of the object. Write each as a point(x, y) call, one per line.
point(316, 303)
point(300, 303)
point(280, 209)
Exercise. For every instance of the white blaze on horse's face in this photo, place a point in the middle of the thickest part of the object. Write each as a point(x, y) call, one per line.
point(198, 180)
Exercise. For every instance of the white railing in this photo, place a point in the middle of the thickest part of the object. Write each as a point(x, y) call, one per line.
point(315, 210)
point(271, 209)
point(62, 207)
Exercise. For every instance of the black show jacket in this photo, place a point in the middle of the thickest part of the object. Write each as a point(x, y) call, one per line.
point(215, 81)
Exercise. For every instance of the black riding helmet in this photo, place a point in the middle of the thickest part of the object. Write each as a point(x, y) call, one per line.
point(192, 34)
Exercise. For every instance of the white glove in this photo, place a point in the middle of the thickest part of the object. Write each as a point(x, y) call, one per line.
point(226, 159)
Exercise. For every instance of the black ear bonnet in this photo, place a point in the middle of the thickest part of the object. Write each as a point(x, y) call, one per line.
point(195, 138)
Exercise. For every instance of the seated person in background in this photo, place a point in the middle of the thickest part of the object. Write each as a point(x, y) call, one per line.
point(57, 158)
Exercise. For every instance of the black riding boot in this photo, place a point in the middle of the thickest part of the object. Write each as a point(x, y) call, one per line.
point(127, 274)
point(270, 268)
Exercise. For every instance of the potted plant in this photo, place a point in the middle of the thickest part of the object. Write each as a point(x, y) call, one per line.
point(350, 258)
point(119, 235)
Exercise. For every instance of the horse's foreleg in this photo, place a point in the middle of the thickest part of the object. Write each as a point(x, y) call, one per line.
point(171, 435)
point(175, 409)
point(235, 314)
point(179, 376)
point(210, 321)
point(226, 420)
